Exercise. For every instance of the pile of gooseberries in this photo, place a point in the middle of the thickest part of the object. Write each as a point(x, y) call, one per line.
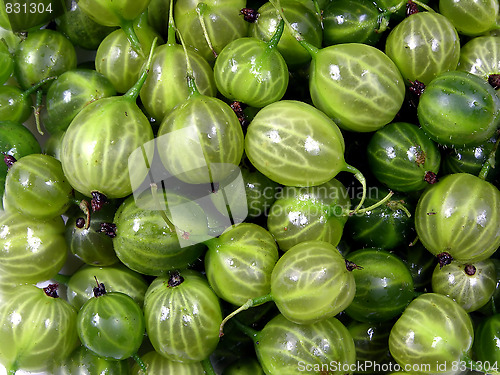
point(250, 187)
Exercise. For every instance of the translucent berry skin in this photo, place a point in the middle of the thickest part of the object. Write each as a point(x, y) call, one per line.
point(459, 109)
point(400, 155)
point(384, 287)
point(104, 134)
point(310, 282)
point(470, 17)
point(44, 53)
point(36, 187)
point(111, 325)
point(85, 362)
point(70, 93)
point(356, 85)
point(424, 45)
point(432, 330)
point(222, 20)
point(471, 285)
point(280, 352)
point(30, 250)
point(239, 263)
point(36, 330)
point(459, 215)
point(289, 135)
point(248, 71)
point(183, 321)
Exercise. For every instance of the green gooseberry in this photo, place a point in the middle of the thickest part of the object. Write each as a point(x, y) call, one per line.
point(296, 144)
point(384, 286)
point(458, 217)
point(92, 241)
point(183, 316)
point(486, 343)
point(403, 157)
point(387, 226)
point(459, 109)
point(36, 328)
point(471, 285)
point(423, 46)
point(44, 53)
point(469, 159)
point(200, 140)
point(432, 333)
point(122, 13)
point(470, 17)
point(330, 347)
point(111, 324)
point(348, 21)
point(27, 16)
point(148, 242)
point(480, 56)
point(117, 59)
point(165, 88)
point(31, 250)
point(239, 263)
point(252, 71)
point(70, 93)
point(36, 187)
point(158, 13)
point(357, 85)
point(16, 104)
point(372, 345)
point(208, 26)
point(17, 141)
point(80, 29)
point(309, 213)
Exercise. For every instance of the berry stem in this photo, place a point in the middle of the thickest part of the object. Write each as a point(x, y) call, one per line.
point(171, 26)
point(374, 206)
point(141, 363)
point(134, 91)
point(200, 10)
point(37, 108)
point(36, 86)
point(128, 29)
point(275, 39)
point(250, 303)
point(207, 366)
point(191, 83)
point(359, 176)
point(252, 333)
